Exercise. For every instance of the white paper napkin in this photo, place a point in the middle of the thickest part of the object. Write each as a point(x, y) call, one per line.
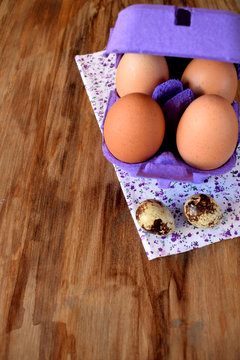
point(98, 75)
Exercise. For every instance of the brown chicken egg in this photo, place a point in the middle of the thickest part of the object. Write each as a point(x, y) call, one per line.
point(211, 77)
point(140, 73)
point(207, 132)
point(134, 128)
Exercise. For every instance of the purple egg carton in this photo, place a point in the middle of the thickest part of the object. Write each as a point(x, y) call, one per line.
point(180, 34)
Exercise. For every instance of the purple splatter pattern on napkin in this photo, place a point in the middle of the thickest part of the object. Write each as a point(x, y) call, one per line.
point(98, 75)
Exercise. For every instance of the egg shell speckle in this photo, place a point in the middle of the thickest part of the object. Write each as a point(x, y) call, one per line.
point(153, 216)
point(202, 211)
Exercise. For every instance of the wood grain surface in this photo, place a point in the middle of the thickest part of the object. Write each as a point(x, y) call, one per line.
point(75, 282)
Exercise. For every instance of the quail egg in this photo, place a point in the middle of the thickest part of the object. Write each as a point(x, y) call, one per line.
point(153, 216)
point(202, 211)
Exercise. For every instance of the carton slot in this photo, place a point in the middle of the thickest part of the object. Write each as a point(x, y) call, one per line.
point(182, 17)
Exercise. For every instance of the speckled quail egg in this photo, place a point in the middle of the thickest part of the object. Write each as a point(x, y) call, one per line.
point(153, 216)
point(202, 211)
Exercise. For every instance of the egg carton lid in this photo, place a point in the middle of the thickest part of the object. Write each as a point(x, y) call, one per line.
point(169, 30)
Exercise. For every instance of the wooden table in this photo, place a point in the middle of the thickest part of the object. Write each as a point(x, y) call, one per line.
point(75, 280)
